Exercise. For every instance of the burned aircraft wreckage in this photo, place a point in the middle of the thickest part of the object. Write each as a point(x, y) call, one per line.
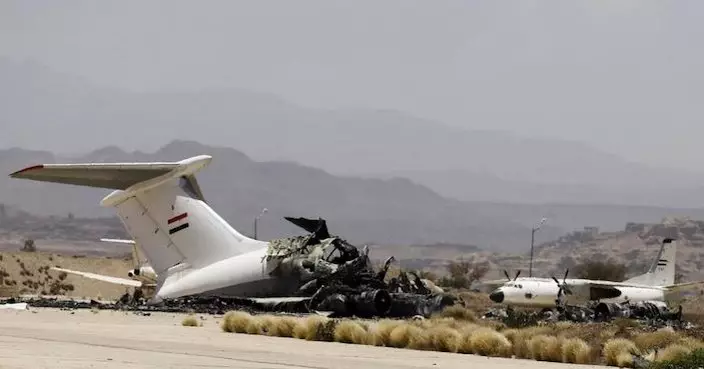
point(338, 277)
point(330, 276)
point(652, 313)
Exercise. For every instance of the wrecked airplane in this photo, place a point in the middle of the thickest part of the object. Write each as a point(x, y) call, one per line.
point(332, 276)
point(195, 252)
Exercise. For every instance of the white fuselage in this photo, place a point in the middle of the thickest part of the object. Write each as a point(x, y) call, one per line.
point(245, 275)
point(542, 293)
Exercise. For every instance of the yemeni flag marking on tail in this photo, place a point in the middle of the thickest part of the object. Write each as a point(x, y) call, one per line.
point(178, 223)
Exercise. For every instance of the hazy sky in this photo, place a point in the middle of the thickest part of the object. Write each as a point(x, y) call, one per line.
point(624, 75)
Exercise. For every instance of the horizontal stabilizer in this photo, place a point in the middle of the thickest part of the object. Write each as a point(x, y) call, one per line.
point(104, 278)
point(117, 176)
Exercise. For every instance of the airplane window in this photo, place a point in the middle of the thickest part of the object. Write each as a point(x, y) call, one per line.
point(520, 286)
point(529, 295)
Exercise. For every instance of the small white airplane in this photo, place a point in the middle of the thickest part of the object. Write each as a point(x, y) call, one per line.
point(190, 248)
point(656, 285)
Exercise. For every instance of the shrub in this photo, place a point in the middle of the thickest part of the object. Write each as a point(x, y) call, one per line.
point(694, 360)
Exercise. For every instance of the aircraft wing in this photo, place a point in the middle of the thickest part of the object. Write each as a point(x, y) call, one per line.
point(683, 286)
point(104, 278)
point(607, 288)
point(583, 289)
point(118, 240)
point(492, 283)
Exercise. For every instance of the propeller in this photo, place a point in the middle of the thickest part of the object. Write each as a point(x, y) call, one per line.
point(514, 278)
point(563, 288)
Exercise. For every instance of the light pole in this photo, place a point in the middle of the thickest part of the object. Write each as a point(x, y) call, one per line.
point(256, 219)
point(532, 241)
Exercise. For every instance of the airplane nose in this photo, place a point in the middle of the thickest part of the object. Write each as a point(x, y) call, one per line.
point(497, 296)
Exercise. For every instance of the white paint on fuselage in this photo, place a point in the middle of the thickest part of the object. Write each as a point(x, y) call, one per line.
point(241, 269)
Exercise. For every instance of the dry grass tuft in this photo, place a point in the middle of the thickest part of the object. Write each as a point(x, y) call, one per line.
point(624, 359)
point(520, 339)
point(236, 321)
point(662, 338)
point(616, 350)
point(576, 351)
point(672, 352)
point(280, 326)
point(458, 312)
point(405, 335)
point(445, 339)
point(544, 347)
point(691, 343)
point(442, 321)
point(309, 328)
point(190, 321)
point(476, 301)
point(380, 332)
point(486, 342)
point(350, 331)
point(255, 325)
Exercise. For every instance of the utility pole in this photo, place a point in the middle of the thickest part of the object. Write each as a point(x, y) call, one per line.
point(256, 219)
point(532, 242)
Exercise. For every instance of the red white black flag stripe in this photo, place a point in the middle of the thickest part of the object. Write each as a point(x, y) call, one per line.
point(177, 219)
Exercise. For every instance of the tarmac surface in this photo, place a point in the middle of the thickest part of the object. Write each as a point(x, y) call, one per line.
point(52, 338)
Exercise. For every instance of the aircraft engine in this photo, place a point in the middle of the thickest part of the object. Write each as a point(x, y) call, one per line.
point(649, 309)
point(372, 303)
point(608, 310)
point(144, 274)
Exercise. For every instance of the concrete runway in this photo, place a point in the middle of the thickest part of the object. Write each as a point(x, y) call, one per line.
point(50, 338)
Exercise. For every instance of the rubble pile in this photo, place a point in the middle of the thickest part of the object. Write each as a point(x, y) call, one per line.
point(649, 313)
point(339, 278)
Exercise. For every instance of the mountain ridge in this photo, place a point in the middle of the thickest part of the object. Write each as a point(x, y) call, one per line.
point(368, 210)
point(72, 112)
point(393, 211)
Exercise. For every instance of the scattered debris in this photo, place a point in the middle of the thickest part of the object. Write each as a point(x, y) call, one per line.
point(654, 314)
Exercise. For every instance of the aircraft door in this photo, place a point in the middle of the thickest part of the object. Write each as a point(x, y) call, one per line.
point(528, 291)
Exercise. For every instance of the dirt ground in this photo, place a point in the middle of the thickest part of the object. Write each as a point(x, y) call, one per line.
point(29, 273)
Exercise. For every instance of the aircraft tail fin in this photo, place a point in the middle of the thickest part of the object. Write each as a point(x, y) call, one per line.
point(161, 207)
point(662, 272)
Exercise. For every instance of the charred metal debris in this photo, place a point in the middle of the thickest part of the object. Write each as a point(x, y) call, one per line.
point(338, 277)
point(654, 314)
point(330, 274)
